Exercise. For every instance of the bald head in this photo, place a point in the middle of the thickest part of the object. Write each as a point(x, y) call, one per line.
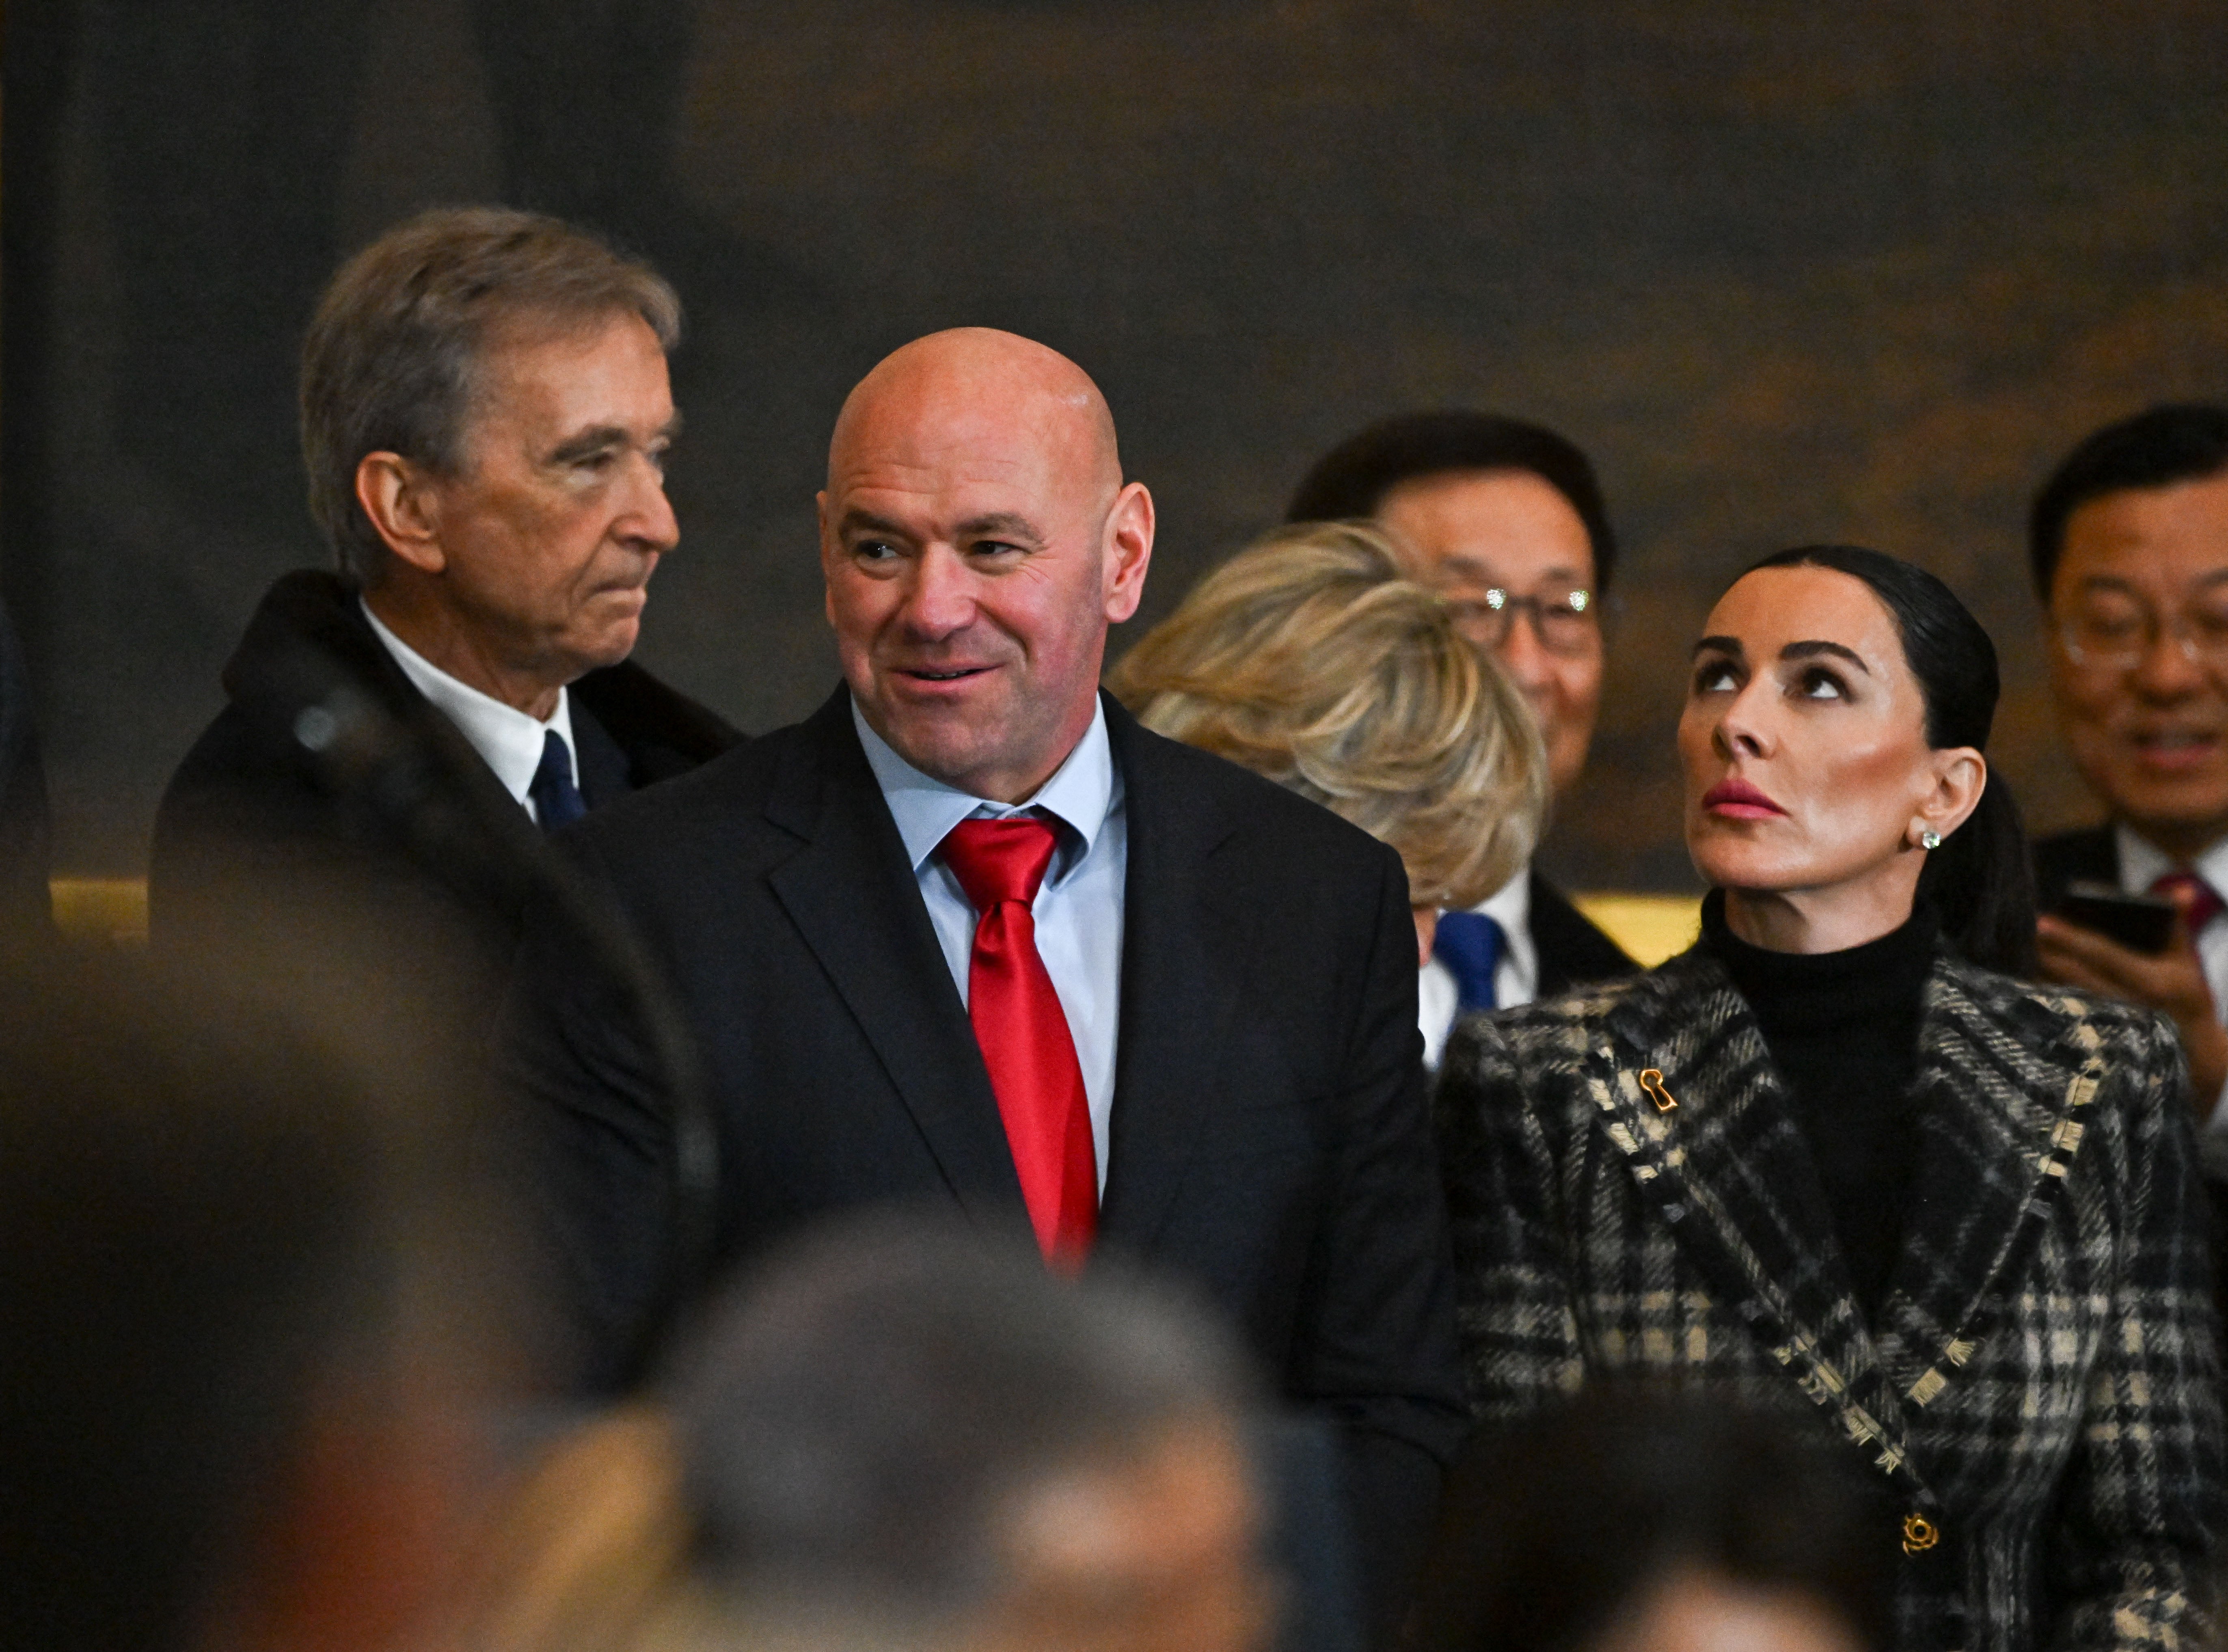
point(983, 390)
point(977, 540)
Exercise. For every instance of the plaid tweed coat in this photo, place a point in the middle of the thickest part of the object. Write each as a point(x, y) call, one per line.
point(2041, 1392)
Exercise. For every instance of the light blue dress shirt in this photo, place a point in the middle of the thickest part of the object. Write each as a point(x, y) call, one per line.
point(1078, 909)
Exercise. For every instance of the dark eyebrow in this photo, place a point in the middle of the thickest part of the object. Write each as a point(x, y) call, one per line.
point(1811, 650)
point(1721, 644)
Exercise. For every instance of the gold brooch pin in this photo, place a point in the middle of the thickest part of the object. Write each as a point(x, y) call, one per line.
point(1919, 1534)
point(1651, 1080)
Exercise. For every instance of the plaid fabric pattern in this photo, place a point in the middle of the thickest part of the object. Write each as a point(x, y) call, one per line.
point(2042, 1384)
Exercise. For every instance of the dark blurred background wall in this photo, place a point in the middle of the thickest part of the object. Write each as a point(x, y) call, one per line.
point(1790, 272)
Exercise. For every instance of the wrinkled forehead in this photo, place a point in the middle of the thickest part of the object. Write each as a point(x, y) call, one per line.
point(1028, 450)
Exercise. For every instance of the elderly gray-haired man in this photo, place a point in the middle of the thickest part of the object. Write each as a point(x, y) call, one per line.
point(485, 411)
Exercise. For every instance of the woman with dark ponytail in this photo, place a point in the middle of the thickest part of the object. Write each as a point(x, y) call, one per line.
point(1843, 1158)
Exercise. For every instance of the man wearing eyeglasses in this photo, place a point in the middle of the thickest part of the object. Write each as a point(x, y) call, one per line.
point(2129, 543)
point(1506, 518)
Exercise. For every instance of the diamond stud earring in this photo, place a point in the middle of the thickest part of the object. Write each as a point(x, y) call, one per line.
point(1930, 840)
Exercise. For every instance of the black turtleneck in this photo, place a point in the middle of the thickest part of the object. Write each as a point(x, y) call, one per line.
point(1842, 1028)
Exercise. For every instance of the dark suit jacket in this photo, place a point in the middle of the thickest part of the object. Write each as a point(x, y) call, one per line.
point(1570, 947)
point(1270, 1139)
point(2041, 1383)
point(255, 840)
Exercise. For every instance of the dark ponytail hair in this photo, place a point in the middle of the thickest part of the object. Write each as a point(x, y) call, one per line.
point(1980, 881)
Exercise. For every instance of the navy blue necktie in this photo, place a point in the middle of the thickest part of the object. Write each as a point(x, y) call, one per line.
point(1470, 944)
point(556, 799)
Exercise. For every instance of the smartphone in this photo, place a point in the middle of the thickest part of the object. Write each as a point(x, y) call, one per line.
point(2140, 923)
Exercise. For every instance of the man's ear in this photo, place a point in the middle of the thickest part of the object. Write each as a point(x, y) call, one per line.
point(404, 507)
point(827, 557)
point(1128, 551)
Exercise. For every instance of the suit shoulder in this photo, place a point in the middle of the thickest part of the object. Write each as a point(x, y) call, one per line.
point(1548, 1034)
point(237, 768)
point(1198, 779)
point(2044, 1017)
point(722, 791)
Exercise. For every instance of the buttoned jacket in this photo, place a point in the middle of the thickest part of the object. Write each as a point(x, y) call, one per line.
point(1631, 1196)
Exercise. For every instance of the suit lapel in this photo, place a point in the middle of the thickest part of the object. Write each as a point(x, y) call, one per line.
point(2001, 1124)
point(853, 897)
point(1727, 1170)
point(1188, 925)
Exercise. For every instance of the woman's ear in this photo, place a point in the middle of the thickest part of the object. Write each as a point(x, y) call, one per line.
point(401, 502)
point(1960, 776)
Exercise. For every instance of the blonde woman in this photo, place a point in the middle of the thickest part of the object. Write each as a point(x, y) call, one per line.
point(1312, 659)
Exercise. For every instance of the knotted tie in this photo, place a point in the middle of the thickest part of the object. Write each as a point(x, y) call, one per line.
point(556, 799)
point(1023, 1031)
point(2205, 901)
point(1470, 944)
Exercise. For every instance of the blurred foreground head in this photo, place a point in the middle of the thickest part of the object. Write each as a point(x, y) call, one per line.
point(902, 1435)
point(1635, 1519)
point(234, 1354)
point(1310, 657)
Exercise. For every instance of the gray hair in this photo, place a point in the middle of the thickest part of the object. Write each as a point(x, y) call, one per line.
point(854, 1424)
point(394, 357)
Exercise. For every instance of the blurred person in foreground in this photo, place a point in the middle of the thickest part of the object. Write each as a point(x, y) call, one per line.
point(1840, 1156)
point(241, 1344)
point(485, 416)
point(1309, 658)
point(897, 1434)
point(2129, 540)
point(1506, 518)
point(970, 935)
point(1638, 1519)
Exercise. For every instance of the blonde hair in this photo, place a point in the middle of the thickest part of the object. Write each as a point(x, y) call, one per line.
point(1310, 657)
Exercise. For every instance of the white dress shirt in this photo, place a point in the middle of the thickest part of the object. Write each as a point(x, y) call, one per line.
point(1515, 974)
point(1078, 906)
point(2143, 863)
point(507, 741)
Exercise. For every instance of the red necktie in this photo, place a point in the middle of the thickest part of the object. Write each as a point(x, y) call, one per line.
point(2205, 902)
point(1023, 1031)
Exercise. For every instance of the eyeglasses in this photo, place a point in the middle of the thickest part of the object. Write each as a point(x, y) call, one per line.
point(2117, 637)
point(1565, 622)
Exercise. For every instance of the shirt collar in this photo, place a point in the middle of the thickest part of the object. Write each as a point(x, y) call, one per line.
point(2143, 862)
point(1510, 907)
point(1081, 793)
point(509, 742)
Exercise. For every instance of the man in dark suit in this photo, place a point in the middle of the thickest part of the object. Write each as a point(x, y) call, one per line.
point(1507, 518)
point(968, 935)
point(2128, 540)
point(484, 413)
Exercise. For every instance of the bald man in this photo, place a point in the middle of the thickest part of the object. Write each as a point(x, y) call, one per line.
point(970, 936)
